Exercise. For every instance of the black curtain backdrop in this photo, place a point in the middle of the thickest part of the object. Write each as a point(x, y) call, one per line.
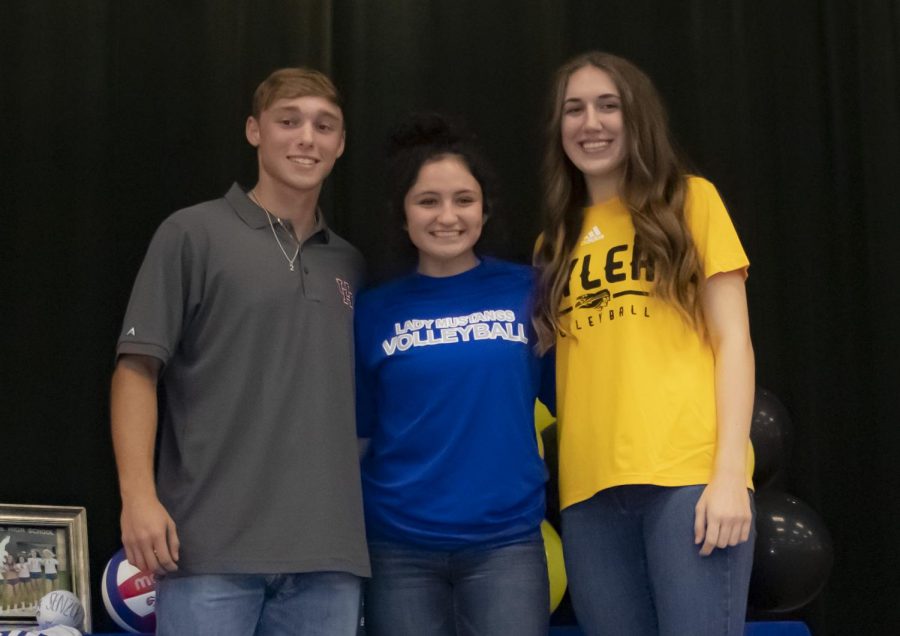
point(117, 112)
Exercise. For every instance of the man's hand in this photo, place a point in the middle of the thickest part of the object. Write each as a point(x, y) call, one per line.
point(149, 536)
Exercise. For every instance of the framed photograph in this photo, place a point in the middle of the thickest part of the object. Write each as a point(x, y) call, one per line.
point(42, 549)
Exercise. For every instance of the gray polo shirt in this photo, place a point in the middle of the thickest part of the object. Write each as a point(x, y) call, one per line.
point(258, 459)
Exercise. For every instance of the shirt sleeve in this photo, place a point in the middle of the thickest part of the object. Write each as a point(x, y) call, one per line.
point(161, 296)
point(713, 232)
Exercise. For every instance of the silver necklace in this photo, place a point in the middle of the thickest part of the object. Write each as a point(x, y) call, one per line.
point(269, 215)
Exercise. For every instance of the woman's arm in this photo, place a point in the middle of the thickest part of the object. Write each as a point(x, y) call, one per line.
point(723, 515)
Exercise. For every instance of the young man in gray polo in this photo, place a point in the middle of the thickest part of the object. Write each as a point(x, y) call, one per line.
point(242, 311)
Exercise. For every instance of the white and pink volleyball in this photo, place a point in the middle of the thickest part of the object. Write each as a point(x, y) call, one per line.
point(129, 595)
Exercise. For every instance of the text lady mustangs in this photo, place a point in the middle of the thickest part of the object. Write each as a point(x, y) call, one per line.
point(489, 324)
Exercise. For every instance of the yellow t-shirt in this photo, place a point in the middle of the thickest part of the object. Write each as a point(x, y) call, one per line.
point(635, 383)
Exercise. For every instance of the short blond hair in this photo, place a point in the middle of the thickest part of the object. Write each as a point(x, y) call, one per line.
point(289, 83)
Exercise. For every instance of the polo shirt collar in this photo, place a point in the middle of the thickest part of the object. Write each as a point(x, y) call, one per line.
point(254, 217)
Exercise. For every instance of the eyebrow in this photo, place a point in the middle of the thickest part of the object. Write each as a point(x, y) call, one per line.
point(603, 96)
point(433, 192)
point(281, 110)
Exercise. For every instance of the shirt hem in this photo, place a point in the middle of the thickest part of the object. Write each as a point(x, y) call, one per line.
point(633, 480)
point(144, 349)
point(275, 567)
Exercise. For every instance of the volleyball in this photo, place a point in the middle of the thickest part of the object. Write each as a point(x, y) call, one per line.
point(60, 607)
point(129, 595)
point(56, 630)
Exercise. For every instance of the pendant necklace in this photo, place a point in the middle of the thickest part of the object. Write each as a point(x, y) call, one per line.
point(269, 215)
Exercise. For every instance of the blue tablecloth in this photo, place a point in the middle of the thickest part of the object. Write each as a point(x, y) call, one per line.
point(757, 628)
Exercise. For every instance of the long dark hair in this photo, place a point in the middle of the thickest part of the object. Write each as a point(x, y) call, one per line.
point(418, 139)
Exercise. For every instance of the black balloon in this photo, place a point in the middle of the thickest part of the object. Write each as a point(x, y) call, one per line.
point(793, 555)
point(770, 432)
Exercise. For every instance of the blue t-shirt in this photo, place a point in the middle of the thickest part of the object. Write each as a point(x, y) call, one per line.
point(447, 376)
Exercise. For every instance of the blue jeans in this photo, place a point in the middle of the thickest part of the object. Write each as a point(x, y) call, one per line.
point(307, 604)
point(479, 591)
point(634, 569)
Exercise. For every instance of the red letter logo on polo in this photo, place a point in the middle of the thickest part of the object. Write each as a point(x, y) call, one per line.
point(344, 289)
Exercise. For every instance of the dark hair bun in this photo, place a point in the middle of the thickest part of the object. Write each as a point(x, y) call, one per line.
point(427, 129)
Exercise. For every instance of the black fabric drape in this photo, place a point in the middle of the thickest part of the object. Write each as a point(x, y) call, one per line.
point(115, 113)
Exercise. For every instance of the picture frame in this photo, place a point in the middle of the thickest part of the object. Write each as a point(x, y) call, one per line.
point(52, 543)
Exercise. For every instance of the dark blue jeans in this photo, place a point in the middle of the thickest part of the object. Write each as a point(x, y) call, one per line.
point(634, 569)
point(479, 591)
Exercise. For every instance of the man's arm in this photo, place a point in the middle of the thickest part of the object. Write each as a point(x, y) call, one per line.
point(148, 532)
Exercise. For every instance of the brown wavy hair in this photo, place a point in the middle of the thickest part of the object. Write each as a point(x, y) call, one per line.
point(653, 189)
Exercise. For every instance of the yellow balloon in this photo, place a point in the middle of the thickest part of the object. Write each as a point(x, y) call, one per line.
point(542, 419)
point(556, 569)
point(542, 416)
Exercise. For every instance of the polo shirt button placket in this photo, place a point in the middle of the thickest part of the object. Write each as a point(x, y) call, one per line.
point(304, 272)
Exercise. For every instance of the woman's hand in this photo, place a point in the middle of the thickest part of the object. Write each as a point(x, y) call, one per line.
point(723, 516)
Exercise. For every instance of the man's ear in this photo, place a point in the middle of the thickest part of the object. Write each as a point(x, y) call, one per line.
point(251, 129)
point(343, 143)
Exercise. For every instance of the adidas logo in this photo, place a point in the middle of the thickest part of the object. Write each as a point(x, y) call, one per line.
point(130, 332)
point(593, 236)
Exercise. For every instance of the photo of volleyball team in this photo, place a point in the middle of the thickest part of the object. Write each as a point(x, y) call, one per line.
point(33, 563)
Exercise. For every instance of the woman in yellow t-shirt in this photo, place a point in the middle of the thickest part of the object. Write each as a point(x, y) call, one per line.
point(641, 290)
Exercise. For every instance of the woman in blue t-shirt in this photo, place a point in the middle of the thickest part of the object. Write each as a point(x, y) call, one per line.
point(447, 376)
